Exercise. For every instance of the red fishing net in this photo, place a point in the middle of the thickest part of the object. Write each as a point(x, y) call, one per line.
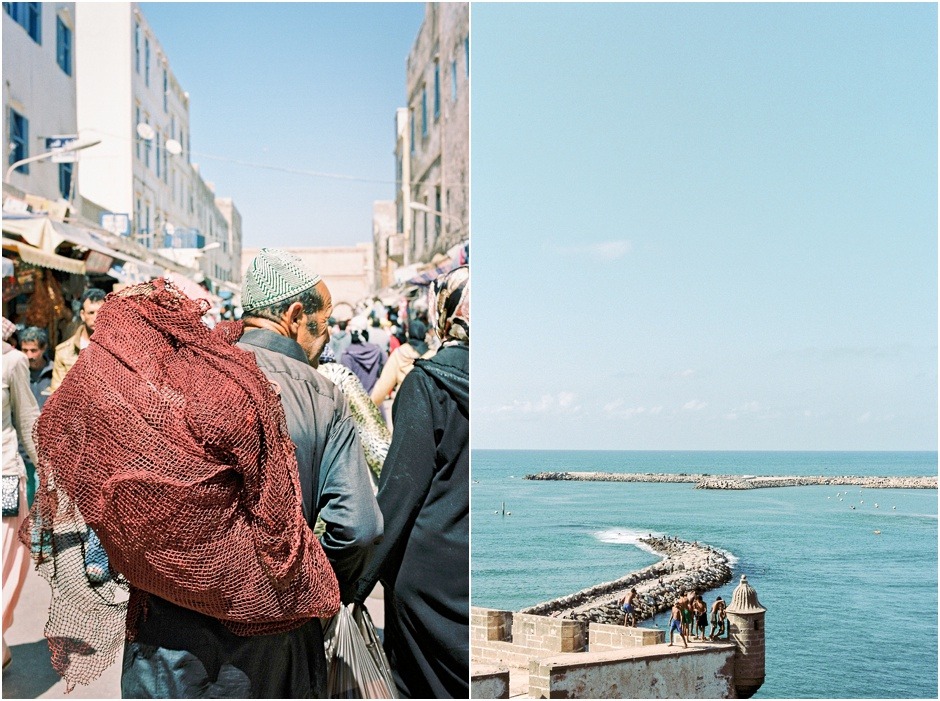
point(170, 444)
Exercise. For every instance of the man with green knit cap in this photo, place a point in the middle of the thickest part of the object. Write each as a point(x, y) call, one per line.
point(286, 308)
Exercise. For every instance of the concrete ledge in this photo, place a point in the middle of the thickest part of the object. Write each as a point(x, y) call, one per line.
point(603, 636)
point(655, 671)
point(488, 682)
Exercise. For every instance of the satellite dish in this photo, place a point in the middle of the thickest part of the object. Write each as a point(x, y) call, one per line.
point(173, 147)
point(145, 132)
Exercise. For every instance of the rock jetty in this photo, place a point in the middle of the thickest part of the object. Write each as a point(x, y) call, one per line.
point(706, 481)
point(685, 566)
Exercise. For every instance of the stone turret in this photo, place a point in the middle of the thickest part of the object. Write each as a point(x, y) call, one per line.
point(746, 622)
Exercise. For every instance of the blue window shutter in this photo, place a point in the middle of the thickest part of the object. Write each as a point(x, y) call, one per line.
point(63, 46)
point(424, 111)
point(437, 89)
point(65, 179)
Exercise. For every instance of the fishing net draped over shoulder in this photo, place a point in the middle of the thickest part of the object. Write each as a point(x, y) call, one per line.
point(169, 443)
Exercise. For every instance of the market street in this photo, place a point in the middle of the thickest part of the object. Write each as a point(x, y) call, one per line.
point(30, 675)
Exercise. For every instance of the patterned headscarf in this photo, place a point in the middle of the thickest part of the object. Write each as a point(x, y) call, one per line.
point(449, 306)
point(9, 328)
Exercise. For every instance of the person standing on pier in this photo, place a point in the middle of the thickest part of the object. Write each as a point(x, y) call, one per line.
point(675, 624)
point(718, 618)
point(685, 607)
point(700, 610)
point(629, 612)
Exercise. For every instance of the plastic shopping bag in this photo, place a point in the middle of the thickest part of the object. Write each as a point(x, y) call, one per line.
point(358, 668)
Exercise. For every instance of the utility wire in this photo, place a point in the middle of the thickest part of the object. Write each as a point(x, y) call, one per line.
point(263, 166)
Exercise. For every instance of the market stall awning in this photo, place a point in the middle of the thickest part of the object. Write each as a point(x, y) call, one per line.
point(35, 256)
point(46, 236)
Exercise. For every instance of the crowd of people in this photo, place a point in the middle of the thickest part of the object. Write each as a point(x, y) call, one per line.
point(689, 618)
point(251, 479)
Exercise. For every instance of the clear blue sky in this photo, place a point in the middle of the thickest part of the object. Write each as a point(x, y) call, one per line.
point(297, 87)
point(705, 226)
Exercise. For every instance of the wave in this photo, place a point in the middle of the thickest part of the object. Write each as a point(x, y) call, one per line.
point(624, 536)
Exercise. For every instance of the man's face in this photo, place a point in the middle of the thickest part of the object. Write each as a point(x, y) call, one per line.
point(34, 352)
point(88, 314)
point(313, 343)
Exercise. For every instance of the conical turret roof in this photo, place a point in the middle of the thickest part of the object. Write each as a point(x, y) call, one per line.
point(744, 599)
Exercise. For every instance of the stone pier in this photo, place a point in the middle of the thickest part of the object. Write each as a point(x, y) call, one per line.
point(685, 566)
point(706, 481)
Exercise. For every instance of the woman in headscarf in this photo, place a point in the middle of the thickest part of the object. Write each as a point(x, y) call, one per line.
point(20, 412)
point(363, 358)
point(424, 495)
point(400, 362)
point(373, 433)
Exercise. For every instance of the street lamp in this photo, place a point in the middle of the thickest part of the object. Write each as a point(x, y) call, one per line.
point(74, 146)
point(418, 207)
point(208, 247)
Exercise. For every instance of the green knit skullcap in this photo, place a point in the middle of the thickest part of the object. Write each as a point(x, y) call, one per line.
point(273, 276)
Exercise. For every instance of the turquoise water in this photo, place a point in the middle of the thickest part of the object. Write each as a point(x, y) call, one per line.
point(850, 614)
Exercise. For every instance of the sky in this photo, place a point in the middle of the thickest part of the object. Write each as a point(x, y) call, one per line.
point(280, 92)
point(704, 227)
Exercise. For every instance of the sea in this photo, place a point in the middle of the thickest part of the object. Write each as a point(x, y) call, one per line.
point(851, 594)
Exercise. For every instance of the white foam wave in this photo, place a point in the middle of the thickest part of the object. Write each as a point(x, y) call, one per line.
point(732, 560)
point(623, 536)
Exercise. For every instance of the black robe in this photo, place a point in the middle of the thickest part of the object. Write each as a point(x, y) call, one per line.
point(423, 559)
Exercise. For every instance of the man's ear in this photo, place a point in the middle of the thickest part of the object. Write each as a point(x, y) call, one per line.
point(295, 313)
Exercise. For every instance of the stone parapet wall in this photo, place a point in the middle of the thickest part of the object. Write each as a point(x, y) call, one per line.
point(489, 683)
point(548, 634)
point(696, 673)
point(503, 653)
point(603, 637)
point(490, 624)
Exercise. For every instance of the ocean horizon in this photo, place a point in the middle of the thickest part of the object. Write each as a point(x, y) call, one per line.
point(851, 594)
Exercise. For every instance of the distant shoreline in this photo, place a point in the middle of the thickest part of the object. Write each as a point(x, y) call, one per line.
point(736, 482)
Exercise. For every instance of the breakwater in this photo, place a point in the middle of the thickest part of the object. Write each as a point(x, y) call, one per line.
point(706, 481)
point(685, 566)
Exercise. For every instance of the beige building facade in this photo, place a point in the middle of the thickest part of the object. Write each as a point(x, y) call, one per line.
point(128, 96)
point(39, 94)
point(432, 151)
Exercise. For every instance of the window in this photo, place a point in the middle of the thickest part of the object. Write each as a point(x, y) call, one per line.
point(147, 62)
point(65, 179)
point(453, 80)
point(437, 89)
point(466, 54)
point(166, 83)
point(437, 208)
point(19, 140)
point(137, 138)
point(137, 47)
point(147, 146)
point(28, 15)
point(412, 120)
point(63, 46)
point(424, 111)
point(424, 215)
point(159, 150)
